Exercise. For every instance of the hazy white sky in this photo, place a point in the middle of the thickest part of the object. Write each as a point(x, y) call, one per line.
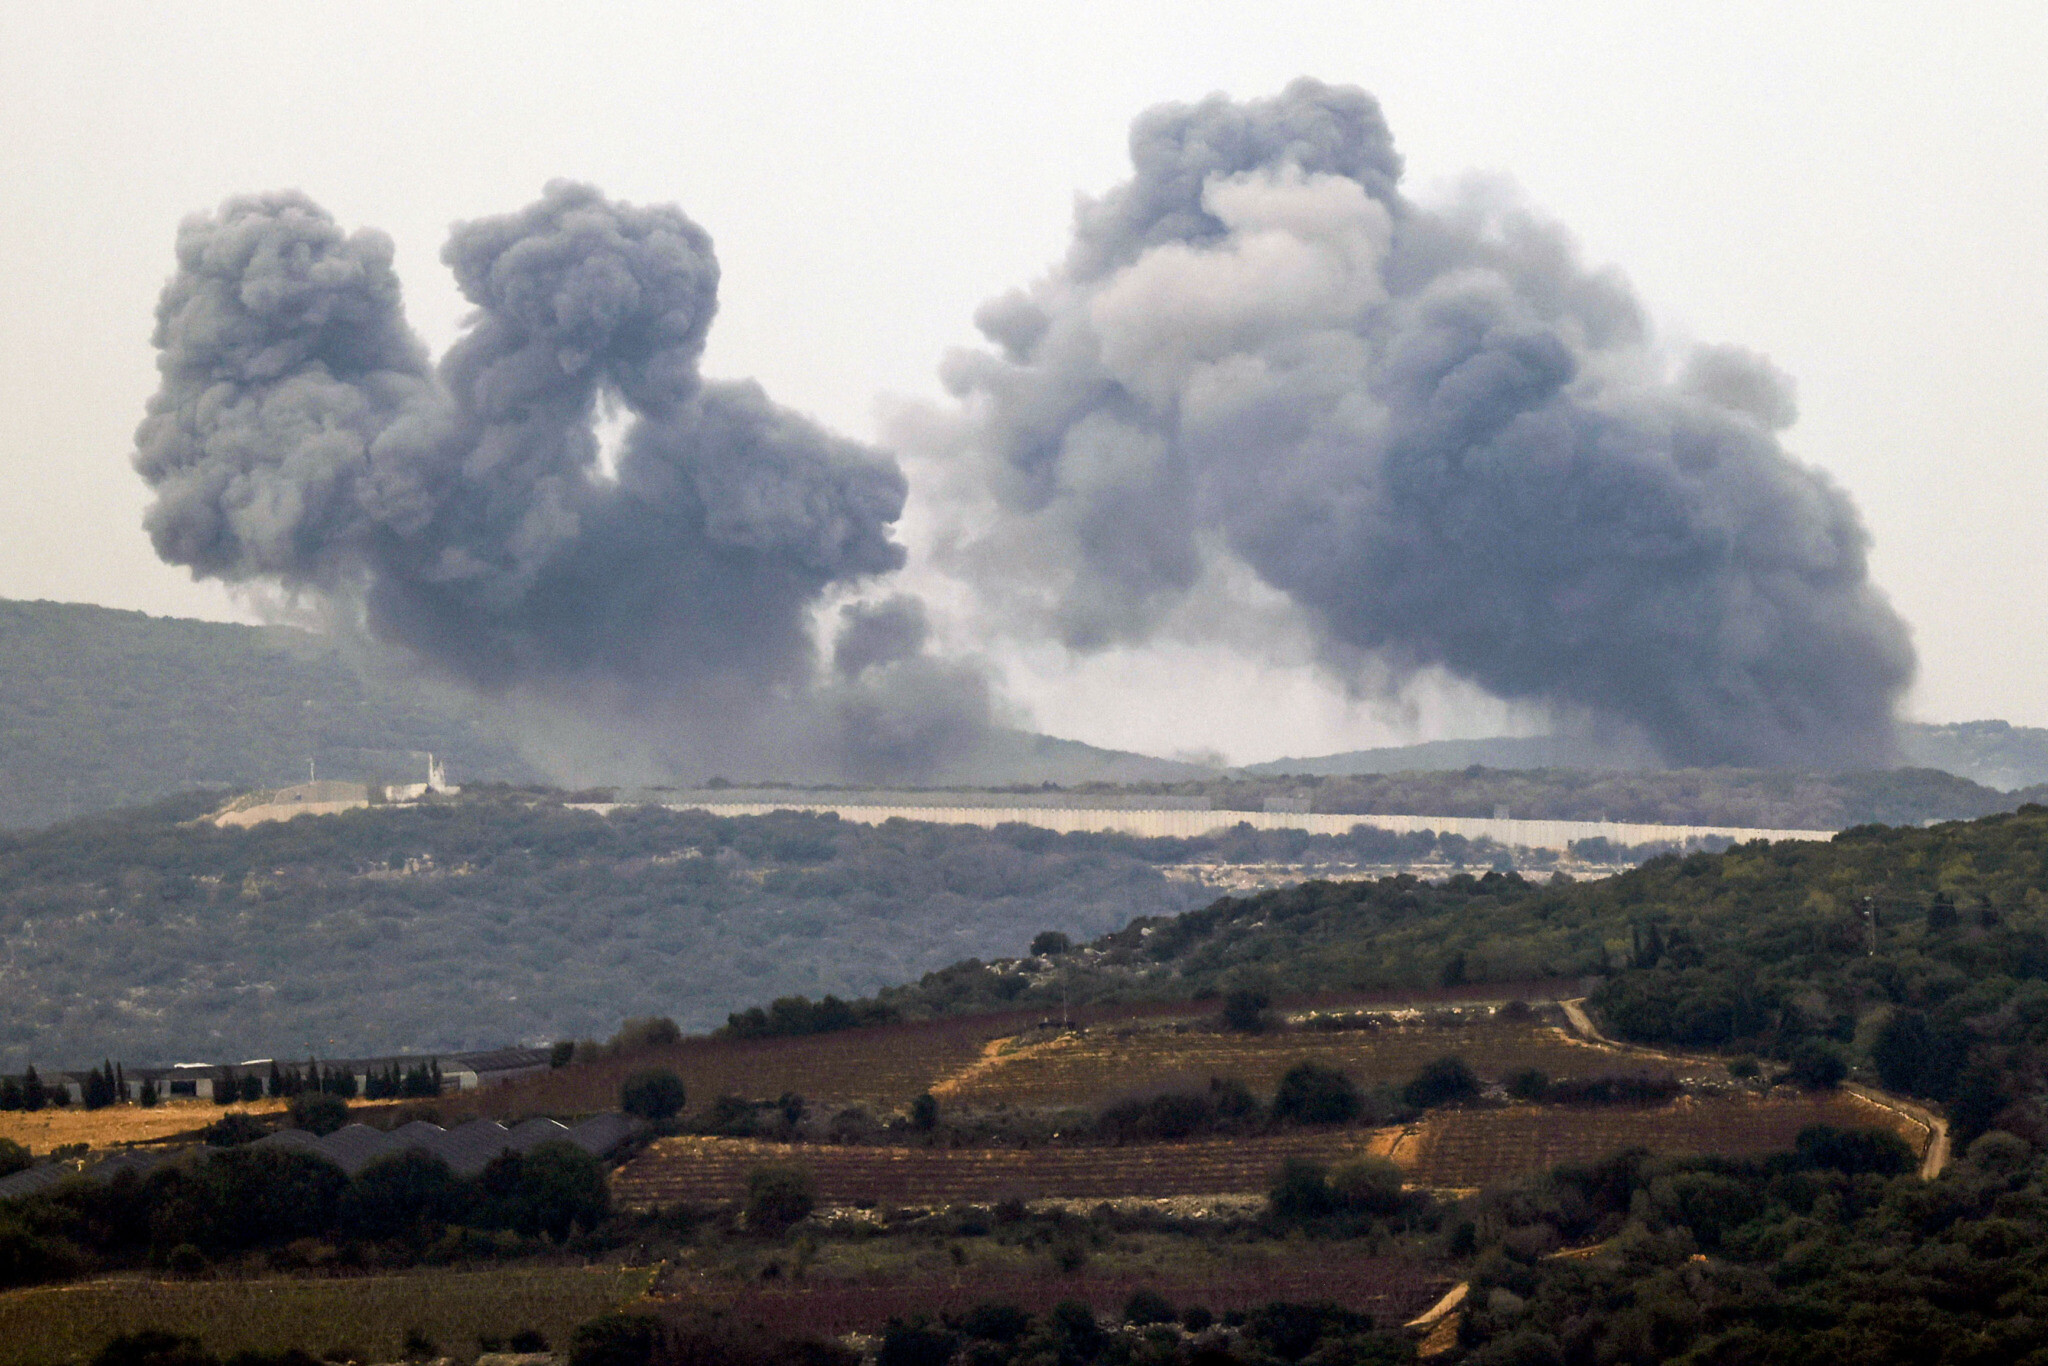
point(1857, 190)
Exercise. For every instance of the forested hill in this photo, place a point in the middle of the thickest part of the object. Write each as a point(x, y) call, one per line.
point(1767, 948)
point(1751, 798)
point(506, 916)
point(102, 709)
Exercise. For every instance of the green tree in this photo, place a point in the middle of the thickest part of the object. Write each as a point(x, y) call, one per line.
point(778, 1196)
point(653, 1093)
point(1312, 1094)
point(1443, 1082)
point(317, 1112)
point(1244, 1010)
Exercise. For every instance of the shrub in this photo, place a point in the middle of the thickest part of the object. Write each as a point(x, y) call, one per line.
point(1818, 1066)
point(1301, 1190)
point(1148, 1306)
point(1311, 1094)
point(778, 1196)
point(1854, 1151)
point(1443, 1082)
point(1075, 1333)
point(1528, 1084)
point(154, 1347)
point(1244, 1010)
point(553, 1189)
point(1623, 1090)
point(617, 1340)
point(1049, 943)
point(1167, 1116)
point(653, 1093)
point(402, 1196)
point(561, 1052)
point(644, 1032)
point(13, 1157)
point(1368, 1185)
point(924, 1113)
point(316, 1112)
point(233, 1129)
point(1291, 1331)
point(916, 1343)
point(995, 1322)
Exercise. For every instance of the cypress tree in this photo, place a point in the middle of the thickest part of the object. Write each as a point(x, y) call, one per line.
point(31, 1089)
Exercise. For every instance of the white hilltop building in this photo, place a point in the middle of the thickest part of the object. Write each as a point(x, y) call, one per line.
point(326, 798)
point(437, 781)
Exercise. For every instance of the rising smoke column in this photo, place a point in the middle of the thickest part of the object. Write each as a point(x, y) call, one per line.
point(1443, 440)
point(302, 438)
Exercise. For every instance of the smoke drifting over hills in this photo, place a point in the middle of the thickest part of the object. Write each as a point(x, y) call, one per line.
point(1444, 441)
point(460, 512)
point(1436, 435)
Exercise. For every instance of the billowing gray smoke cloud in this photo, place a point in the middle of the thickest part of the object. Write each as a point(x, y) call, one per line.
point(1443, 440)
point(301, 437)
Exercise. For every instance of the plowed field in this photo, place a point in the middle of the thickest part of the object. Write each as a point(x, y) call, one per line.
point(1467, 1148)
point(713, 1169)
point(1086, 1069)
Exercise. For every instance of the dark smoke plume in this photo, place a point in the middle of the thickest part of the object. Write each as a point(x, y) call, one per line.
point(1433, 431)
point(460, 512)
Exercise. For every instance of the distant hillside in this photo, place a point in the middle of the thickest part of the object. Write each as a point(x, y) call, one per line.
point(503, 916)
point(1990, 752)
point(101, 709)
point(1500, 751)
point(1993, 753)
point(1752, 798)
point(1918, 957)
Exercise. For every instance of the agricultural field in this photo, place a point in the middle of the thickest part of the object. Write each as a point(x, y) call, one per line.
point(368, 1315)
point(1091, 1067)
point(1464, 1149)
point(884, 1066)
point(41, 1130)
point(705, 1170)
point(829, 1300)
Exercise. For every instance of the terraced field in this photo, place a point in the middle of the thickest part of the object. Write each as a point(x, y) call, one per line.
point(1453, 1149)
point(352, 1318)
point(887, 1066)
point(1469, 1148)
point(715, 1169)
point(1391, 1290)
point(1084, 1069)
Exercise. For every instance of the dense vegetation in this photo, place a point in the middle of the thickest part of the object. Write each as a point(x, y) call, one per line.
point(1828, 1254)
point(508, 916)
point(293, 1209)
point(1759, 799)
point(102, 709)
point(1919, 956)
